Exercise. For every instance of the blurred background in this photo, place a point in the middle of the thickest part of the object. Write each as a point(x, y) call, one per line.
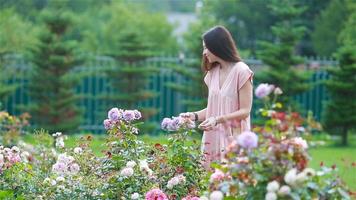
point(65, 63)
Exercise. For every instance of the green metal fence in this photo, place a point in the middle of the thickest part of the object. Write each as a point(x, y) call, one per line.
point(168, 101)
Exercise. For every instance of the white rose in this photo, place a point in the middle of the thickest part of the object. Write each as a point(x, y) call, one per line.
point(271, 196)
point(127, 172)
point(284, 190)
point(78, 150)
point(301, 177)
point(53, 182)
point(273, 186)
point(175, 181)
point(24, 156)
point(143, 164)
point(291, 176)
point(135, 195)
point(216, 195)
point(15, 149)
point(169, 185)
point(131, 164)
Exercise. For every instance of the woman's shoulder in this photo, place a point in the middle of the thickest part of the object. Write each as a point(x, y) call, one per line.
point(243, 69)
point(242, 66)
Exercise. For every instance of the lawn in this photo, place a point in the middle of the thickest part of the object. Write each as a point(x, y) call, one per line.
point(330, 154)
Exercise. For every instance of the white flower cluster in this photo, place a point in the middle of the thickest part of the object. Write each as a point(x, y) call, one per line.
point(180, 179)
point(292, 178)
point(144, 167)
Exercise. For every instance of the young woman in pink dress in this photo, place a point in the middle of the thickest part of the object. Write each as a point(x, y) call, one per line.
point(229, 81)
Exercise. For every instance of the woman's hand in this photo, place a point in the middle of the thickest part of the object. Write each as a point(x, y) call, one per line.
point(189, 115)
point(208, 124)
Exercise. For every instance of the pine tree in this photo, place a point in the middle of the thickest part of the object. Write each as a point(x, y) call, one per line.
point(15, 35)
point(130, 79)
point(280, 55)
point(340, 112)
point(52, 80)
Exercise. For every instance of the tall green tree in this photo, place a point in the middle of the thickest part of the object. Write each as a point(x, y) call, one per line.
point(131, 77)
point(340, 112)
point(280, 55)
point(52, 79)
point(15, 35)
point(328, 26)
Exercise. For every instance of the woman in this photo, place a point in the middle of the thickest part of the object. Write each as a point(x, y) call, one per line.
point(230, 94)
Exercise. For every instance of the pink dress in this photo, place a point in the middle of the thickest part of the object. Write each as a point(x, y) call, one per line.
point(222, 100)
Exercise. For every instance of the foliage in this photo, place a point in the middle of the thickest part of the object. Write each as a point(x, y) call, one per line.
point(340, 113)
point(104, 28)
point(53, 78)
point(15, 35)
point(280, 55)
point(245, 27)
point(328, 26)
point(347, 33)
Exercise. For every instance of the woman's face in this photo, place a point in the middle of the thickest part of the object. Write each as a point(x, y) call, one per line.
point(210, 56)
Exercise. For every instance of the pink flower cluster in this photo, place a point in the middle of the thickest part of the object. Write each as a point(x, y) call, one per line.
point(247, 140)
point(265, 89)
point(217, 176)
point(65, 165)
point(176, 123)
point(155, 194)
point(115, 115)
point(9, 157)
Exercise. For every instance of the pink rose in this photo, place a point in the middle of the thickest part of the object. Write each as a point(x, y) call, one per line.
point(156, 194)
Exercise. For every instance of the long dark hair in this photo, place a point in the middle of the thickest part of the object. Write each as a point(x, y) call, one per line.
point(219, 41)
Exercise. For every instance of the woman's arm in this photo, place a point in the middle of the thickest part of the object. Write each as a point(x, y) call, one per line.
point(245, 105)
point(201, 114)
point(191, 115)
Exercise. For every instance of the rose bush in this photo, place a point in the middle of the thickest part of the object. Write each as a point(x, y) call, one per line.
point(273, 164)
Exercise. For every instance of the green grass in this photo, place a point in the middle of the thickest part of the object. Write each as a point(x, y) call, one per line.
point(330, 154)
point(342, 157)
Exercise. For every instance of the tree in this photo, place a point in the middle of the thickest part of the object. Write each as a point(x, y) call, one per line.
point(328, 26)
point(248, 21)
point(52, 79)
point(280, 55)
point(15, 35)
point(131, 76)
point(347, 34)
point(340, 113)
point(101, 28)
